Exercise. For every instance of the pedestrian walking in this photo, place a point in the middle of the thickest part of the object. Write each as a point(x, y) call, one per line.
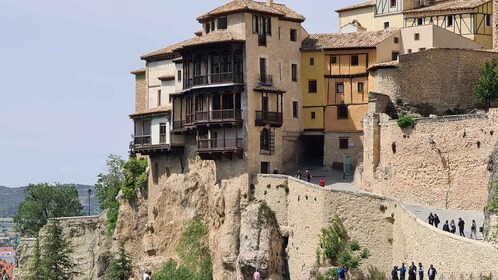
point(402, 272)
point(436, 220)
point(322, 183)
point(412, 272)
point(308, 176)
point(394, 273)
point(298, 175)
point(453, 226)
point(420, 271)
point(341, 272)
point(432, 272)
point(473, 230)
point(446, 226)
point(430, 219)
point(461, 226)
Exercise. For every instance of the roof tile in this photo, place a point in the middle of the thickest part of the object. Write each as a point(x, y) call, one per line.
point(449, 5)
point(366, 39)
point(356, 6)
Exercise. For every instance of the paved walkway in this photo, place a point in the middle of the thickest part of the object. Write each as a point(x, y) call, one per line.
point(334, 181)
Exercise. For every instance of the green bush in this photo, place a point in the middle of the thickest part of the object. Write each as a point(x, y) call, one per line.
point(455, 111)
point(330, 274)
point(135, 177)
point(406, 121)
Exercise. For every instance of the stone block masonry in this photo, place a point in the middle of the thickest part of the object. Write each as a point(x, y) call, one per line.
point(441, 162)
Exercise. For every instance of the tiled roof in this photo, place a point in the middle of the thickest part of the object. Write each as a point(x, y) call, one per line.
point(153, 111)
point(217, 36)
point(390, 64)
point(138, 71)
point(449, 5)
point(236, 6)
point(366, 39)
point(165, 53)
point(356, 6)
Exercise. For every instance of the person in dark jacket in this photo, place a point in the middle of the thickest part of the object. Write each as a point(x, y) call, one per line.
point(432, 273)
point(453, 226)
point(436, 220)
point(446, 226)
point(394, 273)
point(412, 272)
point(461, 226)
point(420, 271)
point(402, 272)
point(430, 219)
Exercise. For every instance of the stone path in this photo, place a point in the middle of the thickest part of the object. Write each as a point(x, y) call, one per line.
point(334, 181)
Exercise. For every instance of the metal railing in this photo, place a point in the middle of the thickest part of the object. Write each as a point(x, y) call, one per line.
point(219, 144)
point(266, 80)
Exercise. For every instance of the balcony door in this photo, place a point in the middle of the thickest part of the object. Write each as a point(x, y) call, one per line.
point(264, 104)
point(262, 69)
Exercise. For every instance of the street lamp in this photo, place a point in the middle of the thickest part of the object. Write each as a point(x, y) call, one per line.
point(89, 193)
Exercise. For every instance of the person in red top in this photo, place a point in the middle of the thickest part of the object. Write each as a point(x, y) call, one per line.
point(322, 183)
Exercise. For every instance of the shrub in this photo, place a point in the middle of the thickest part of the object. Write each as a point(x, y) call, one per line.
point(406, 121)
point(135, 177)
point(382, 208)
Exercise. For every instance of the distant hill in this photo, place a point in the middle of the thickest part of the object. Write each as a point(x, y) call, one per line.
point(10, 198)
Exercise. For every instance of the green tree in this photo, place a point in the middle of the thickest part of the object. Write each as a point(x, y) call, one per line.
point(107, 189)
point(45, 201)
point(487, 85)
point(56, 262)
point(135, 177)
point(120, 268)
point(193, 250)
point(35, 263)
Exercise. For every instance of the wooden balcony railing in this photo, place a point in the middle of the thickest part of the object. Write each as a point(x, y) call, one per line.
point(219, 144)
point(271, 118)
point(217, 78)
point(142, 140)
point(210, 116)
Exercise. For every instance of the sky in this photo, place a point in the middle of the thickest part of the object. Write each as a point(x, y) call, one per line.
point(66, 89)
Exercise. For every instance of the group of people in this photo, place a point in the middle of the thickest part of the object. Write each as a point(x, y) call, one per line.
point(412, 272)
point(308, 176)
point(433, 220)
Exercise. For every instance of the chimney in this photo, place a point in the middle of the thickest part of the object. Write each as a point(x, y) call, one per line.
point(269, 3)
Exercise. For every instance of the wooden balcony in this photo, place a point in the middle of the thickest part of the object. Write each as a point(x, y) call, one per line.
point(213, 79)
point(213, 117)
point(142, 145)
point(274, 119)
point(215, 148)
point(266, 80)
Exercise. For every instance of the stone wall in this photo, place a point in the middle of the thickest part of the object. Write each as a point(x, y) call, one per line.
point(141, 103)
point(441, 162)
point(332, 154)
point(449, 81)
point(393, 236)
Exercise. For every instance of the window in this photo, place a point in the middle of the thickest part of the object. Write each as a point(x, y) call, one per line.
point(158, 97)
point(312, 86)
point(396, 40)
point(417, 36)
point(339, 88)
point(261, 25)
point(265, 167)
point(279, 32)
point(354, 60)
point(334, 60)
point(222, 23)
point(420, 21)
point(162, 133)
point(313, 115)
point(179, 75)
point(489, 20)
point(409, 50)
point(342, 112)
point(361, 87)
point(265, 141)
point(293, 35)
point(208, 27)
point(386, 24)
point(422, 49)
point(312, 61)
point(294, 72)
point(343, 143)
point(394, 55)
point(449, 21)
point(295, 109)
point(393, 3)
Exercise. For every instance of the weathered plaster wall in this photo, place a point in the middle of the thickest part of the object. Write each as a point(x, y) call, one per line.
point(332, 154)
point(445, 85)
point(141, 103)
point(442, 162)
